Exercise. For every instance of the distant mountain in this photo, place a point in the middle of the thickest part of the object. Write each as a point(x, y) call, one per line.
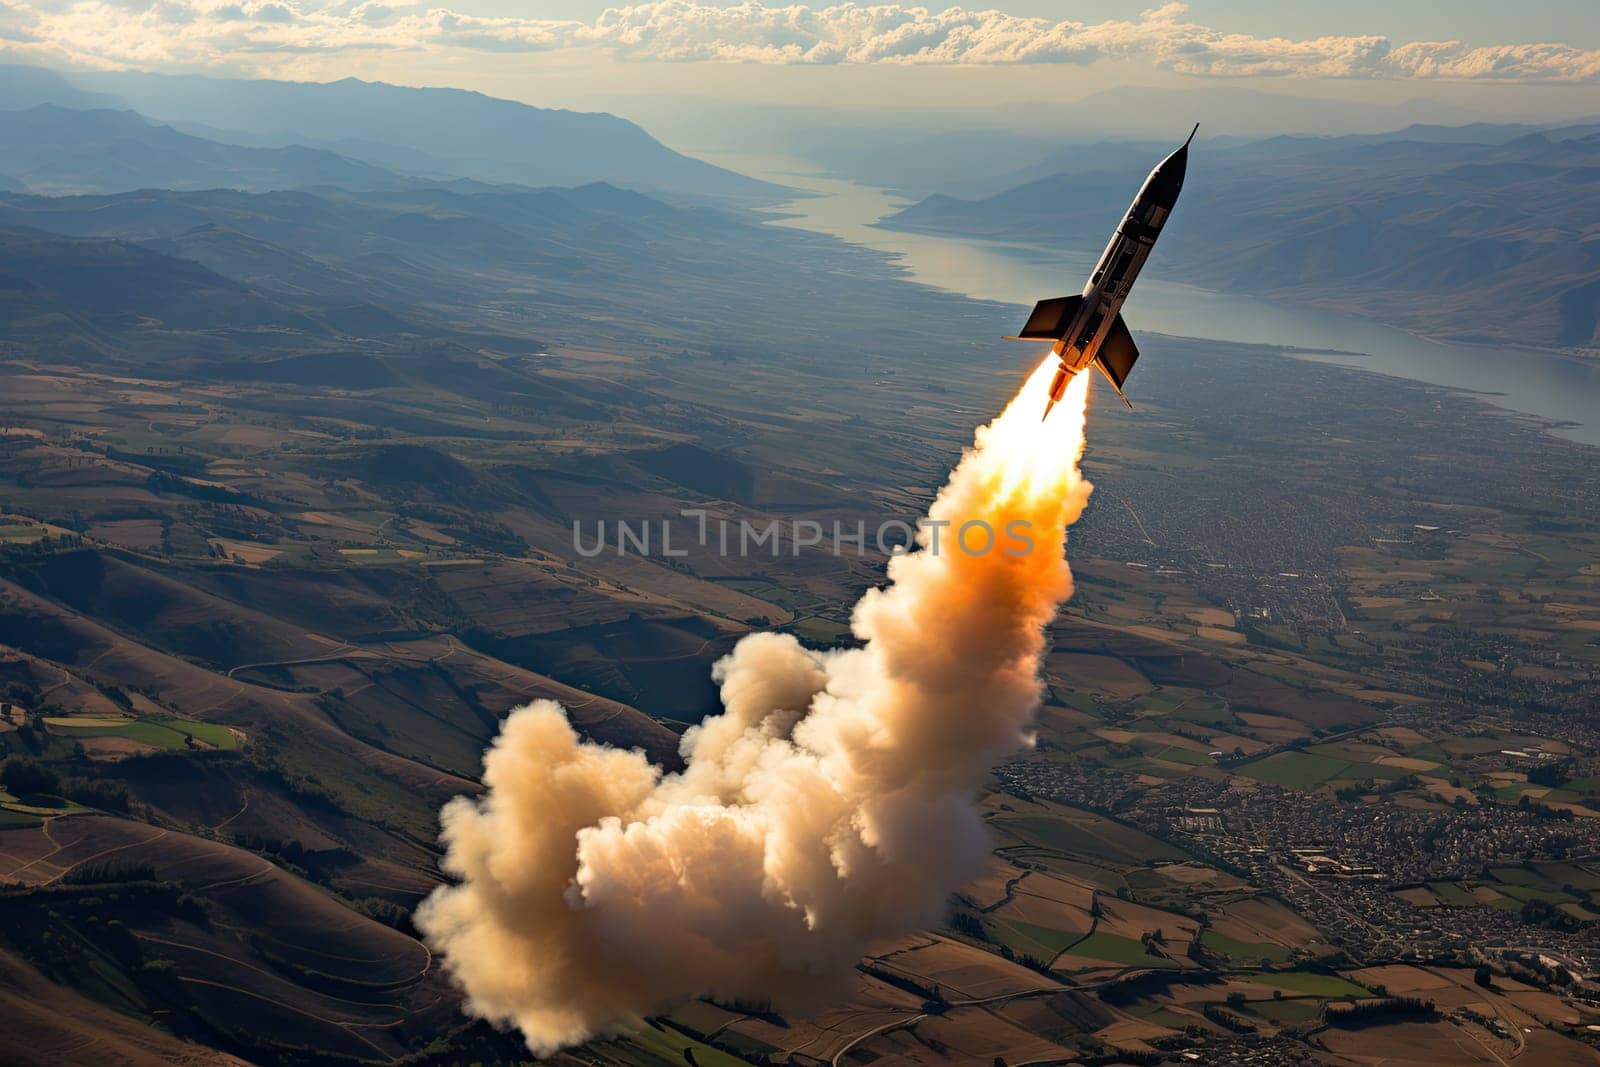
point(25, 87)
point(1485, 241)
point(977, 153)
point(54, 149)
point(467, 133)
point(762, 128)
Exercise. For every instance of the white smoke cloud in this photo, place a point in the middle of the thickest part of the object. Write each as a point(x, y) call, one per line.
point(252, 33)
point(831, 805)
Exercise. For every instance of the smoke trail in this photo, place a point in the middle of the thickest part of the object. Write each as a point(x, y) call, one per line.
point(830, 805)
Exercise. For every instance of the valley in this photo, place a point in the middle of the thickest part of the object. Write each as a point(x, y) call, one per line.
point(290, 483)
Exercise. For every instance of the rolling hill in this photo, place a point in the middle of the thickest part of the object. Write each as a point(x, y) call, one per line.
point(49, 1024)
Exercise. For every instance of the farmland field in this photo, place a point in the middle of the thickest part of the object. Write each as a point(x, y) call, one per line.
point(1452, 894)
point(168, 733)
point(1309, 983)
point(1298, 770)
point(1244, 953)
point(1117, 949)
point(1084, 834)
point(1030, 939)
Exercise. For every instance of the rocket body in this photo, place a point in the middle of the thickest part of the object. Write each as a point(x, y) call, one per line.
point(1087, 329)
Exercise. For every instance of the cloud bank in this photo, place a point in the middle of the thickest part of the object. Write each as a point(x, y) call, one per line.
point(256, 34)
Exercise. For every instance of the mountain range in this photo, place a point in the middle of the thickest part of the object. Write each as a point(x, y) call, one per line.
point(325, 133)
point(53, 149)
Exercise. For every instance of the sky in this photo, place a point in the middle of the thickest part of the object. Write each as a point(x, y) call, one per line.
point(1527, 59)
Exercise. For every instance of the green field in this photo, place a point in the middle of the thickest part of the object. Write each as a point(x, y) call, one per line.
point(1572, 874)
point(1162, 1016)
point(1079, 701)
point(1296, 770)
point(1453, 894)
point(16, 813)
point(1244, 951)
point(87, 722)
point(670, 1046)
point(1186, 756)
point(363, 556)
point(1099, 876)
point(1528, 892)
point(1163, 701)
point(820, 631)
point(1027, 938)
point(1189, 705)
point(1429, 751)
point(1288, 1012)
point(18, 534)
point(1309, 983)
point(1117, 949)
point(162, 733)
point(1118, 842)
point(1310, 768)
point(1506, 897)
point(1146, 878)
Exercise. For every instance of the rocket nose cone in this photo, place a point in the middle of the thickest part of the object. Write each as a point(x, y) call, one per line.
point(1166, 181)
point(1178, 161)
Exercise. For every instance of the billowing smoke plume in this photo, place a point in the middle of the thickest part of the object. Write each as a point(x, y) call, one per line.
point(830, 806)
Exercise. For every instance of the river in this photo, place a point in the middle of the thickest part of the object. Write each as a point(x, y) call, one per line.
point(1549, 385)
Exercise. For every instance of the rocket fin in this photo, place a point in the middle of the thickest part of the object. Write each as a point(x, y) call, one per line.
point(1049, 320)
point(1117, 356)
point(1114, 385)
point(1117, 353)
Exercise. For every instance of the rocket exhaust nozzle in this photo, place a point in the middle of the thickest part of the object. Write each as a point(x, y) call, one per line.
point(1058, 386)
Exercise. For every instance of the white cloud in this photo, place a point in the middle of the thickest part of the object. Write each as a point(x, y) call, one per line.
point(252, 33)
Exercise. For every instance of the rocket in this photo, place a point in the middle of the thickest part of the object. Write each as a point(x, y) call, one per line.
point(1088, 328)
